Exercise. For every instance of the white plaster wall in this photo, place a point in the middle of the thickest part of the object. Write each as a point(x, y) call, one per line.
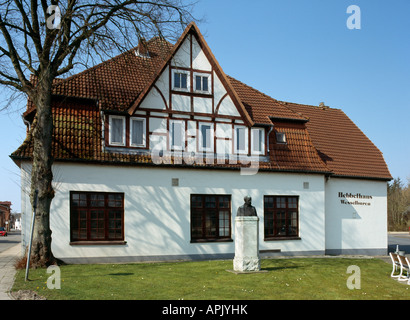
point(352, 227)
point(153, 100)
point(228, 108)
point(157, 215)
point(202, 105)
point(181, 103)
point(199, 60)
point(182, 56)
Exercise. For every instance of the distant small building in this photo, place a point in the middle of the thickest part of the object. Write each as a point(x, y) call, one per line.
point(5, 208)
point(16, 221)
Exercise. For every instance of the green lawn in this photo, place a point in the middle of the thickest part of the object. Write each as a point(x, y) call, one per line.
point(296, 278)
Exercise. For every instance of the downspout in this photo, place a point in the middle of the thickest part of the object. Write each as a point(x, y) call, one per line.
point(273, 155)
point(270, 130)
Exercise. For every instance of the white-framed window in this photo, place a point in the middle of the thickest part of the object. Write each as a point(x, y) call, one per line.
point(138, 132)
point(202, 82)
point(176, 134)
point(180, 80)
point(116, 130)
point(241, 140)
point(206, 137)
point(258, 141)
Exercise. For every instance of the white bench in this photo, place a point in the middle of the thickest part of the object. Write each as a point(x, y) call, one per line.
point(396, 265)
point(402, 263)
point(404, 266)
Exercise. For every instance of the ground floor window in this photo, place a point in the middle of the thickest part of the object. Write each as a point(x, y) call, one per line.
point(281, 217)
point(96, 216)
point(210, 217)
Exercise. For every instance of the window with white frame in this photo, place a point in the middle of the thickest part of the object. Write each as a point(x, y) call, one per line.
point(180, 80)
point(117, 130)
point(241, 140)
point(258, 141)
point(202, 82)
point(206, 137)
point(176, 134)
point(138, 132)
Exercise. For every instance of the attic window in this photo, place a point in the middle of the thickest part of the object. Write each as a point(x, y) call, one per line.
point(180, 80)
point(201, 82)
point(280, 137)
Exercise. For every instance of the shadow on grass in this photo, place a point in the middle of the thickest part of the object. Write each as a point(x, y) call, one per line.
point(121, 274)
point(280, 268)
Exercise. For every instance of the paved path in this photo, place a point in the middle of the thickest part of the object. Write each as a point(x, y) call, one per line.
point(7, 270)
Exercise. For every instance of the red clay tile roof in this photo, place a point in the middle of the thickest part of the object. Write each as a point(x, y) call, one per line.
point(319, 140)
point(344, 148)
point(299, 153)
point(117, 82)
point(260, 106)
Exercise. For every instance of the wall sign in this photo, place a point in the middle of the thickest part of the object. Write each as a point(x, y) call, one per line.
point(354, 199)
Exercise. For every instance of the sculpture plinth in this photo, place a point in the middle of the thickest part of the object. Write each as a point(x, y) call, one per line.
point(246, 244)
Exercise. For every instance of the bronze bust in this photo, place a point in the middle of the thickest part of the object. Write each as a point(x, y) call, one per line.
point(246, 209)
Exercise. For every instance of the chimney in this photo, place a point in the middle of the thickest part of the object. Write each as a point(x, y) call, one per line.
point(323, 106)
point(142, 50)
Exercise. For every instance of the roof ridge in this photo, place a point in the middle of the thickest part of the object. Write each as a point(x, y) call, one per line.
point(308, 105)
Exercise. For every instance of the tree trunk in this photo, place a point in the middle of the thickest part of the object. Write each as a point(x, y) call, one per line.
point(41, 174)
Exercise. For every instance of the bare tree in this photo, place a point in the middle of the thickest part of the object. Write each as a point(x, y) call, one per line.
point(47, 39)
point(398, 205)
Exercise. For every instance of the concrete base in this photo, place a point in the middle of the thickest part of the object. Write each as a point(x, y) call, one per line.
point(246, 244)
point(246, 264)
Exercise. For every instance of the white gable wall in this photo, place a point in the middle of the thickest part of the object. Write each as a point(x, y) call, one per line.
point(359, 224)
point(199, 60)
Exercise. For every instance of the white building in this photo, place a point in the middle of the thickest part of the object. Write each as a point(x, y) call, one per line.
point(155, 150)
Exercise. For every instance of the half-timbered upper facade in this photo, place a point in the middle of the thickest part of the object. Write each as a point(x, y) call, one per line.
point(190, 109)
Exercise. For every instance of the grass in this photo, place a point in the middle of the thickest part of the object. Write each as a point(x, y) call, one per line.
point(287, 279)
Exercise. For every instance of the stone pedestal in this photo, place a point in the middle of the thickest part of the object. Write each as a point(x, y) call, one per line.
point(246, 244)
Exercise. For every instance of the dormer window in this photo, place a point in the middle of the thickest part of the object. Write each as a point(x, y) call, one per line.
point(180, 80)
point(280, 137)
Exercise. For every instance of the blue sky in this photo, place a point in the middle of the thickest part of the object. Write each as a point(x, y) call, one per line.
point(299, 51)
